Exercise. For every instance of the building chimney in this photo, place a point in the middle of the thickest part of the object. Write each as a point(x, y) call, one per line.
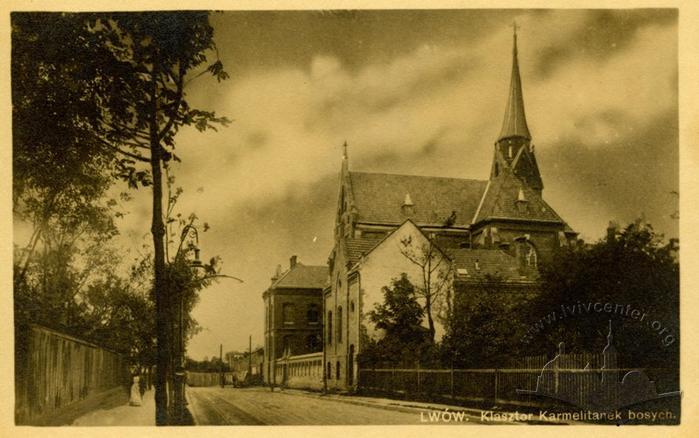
point(292, 262)
point(277, 273)
point(611, 231)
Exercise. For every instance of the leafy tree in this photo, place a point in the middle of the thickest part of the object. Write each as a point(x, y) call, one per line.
point(115, 84)
point(483, 325)
point(400, 317)
point(633, 268)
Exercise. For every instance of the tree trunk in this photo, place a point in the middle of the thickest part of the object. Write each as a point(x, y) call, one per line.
point(158, 231)
point(430, 321)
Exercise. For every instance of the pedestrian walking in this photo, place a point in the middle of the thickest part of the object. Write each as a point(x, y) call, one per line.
point(135, 399)
point(142, 385)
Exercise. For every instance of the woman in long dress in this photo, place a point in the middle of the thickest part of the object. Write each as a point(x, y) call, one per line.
point(135, 399)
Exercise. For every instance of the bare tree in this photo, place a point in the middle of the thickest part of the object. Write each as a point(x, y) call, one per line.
point(436, 270)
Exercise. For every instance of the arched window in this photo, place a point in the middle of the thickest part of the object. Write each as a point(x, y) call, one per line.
point(337, 370)
point(330, 371)
point(528, 257)
point(313, 343)
point(287, 345)
point(352, 306)
point(288, 313)
point(339, 325)
point(330, 327)
point(312, 314)
point(531, 256)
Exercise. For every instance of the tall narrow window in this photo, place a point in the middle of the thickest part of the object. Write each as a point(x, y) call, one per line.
point(288, 313)
point(531, 256)
point(339, 325)
point(312, 314)
point(330, 327)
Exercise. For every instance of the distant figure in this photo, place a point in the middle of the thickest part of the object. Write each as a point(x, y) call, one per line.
point(142, 386)
point(135, 399)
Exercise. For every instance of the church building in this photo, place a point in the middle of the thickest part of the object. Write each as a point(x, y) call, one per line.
point(441, 232)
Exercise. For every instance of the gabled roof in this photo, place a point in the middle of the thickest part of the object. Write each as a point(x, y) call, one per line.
point(378, 198)
point(302, 277)
point(501, 201)
point(356, 247)
point(493, 262)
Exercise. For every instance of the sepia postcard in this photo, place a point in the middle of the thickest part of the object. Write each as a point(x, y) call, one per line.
point(399, 215)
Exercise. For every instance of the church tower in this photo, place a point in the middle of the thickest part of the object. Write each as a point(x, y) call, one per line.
point(514, 151)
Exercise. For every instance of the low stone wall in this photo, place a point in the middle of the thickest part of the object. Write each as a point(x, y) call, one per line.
point(302, 372)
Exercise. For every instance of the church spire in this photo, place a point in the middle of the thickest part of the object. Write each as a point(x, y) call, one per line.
point(513, 150)
point(515, 123)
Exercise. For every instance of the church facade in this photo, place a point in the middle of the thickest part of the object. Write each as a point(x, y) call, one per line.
point(444, 233)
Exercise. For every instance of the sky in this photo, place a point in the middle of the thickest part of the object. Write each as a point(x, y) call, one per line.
point(412, 92)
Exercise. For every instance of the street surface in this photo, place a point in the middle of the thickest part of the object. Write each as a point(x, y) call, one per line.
point(258, 406)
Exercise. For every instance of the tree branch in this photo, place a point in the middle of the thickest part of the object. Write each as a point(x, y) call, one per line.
point(176, 105)
point(134, 156)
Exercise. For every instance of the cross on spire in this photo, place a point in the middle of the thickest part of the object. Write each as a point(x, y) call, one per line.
point(344, 150)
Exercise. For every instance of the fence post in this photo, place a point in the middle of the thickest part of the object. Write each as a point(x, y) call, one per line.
point(495, 401)
point(451, 382)
point(418, 377)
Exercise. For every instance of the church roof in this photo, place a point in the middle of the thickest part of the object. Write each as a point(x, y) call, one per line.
point(359, 246)
point(479, 263)
point(515, 122)
point(507, 197)
point(302, 277)
point(379, 197)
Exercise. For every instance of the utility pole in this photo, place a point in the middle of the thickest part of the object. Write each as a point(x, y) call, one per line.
point(221, 365)
point(250, 358)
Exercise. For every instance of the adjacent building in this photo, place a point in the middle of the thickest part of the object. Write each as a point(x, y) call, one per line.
point(293, 314)
point(247, 367)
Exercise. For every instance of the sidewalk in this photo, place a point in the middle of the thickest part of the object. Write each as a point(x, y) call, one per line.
point(123, 415)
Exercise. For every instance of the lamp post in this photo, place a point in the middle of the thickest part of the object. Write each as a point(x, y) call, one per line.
point(179, 374)
point(196, 264)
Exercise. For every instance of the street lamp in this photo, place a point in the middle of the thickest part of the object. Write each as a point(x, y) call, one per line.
point(179, 358)
point(196, 264)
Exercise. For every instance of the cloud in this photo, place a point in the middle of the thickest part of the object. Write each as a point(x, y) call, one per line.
point(271, 178)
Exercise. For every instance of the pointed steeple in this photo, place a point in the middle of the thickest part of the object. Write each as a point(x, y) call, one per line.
point(513, 150)
point(515, 122)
